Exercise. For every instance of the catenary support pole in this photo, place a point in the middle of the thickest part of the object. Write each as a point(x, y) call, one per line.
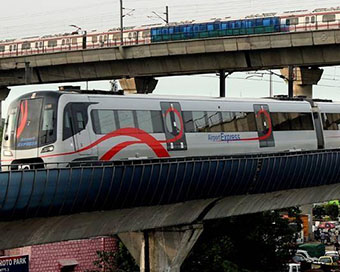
point(161, 250)
point(121, 22)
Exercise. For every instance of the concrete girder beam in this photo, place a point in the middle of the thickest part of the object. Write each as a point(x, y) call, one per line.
point(303, 79)
point(138, 84)
point(161, 250)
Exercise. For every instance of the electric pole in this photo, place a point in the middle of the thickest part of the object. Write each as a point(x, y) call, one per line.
point(166, 20)
point(121, 22)
point(167, 14)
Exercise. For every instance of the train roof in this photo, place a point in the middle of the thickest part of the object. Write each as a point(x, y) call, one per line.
point(105, 94)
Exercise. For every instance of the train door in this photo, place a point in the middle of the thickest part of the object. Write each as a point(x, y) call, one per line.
point(174, 126)
point(264, 125)
point(78, 123)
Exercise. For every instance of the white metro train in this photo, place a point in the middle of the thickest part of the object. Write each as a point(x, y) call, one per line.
point(70, 126)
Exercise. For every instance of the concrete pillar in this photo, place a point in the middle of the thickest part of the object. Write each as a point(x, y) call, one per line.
point(307, 210)
point(138, 85)
point(162, 250)
point(222, 83)
point(4, 91)
point(303, 79)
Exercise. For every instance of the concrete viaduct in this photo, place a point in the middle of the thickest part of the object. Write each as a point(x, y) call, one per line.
point(143, 62)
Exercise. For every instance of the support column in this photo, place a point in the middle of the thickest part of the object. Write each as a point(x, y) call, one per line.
point(222, 83)
point(307, 214)
point(138, 84)
point(162, 250)
point(303, 79)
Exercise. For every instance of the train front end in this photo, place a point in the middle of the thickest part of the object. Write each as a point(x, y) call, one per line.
point(30, 130)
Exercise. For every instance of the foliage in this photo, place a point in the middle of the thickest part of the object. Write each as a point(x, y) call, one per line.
point(319, 211)
point(255, 242)
point(332, 210)
point(246, 243)
point(118, 261)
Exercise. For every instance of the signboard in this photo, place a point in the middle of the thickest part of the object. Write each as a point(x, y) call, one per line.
point(14, 264)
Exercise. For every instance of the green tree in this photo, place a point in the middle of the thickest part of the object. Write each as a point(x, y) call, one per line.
point(332, 210)
point(255, 242)
point(319, 211)
point(118, 261)
point(247, 243)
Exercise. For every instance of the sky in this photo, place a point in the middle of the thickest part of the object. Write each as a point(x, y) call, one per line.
point(24, 18)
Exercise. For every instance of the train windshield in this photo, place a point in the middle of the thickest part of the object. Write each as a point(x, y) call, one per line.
point(30, 123)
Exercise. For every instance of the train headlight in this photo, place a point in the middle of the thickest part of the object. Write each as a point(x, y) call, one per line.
point(49, 148)
point(8, 153)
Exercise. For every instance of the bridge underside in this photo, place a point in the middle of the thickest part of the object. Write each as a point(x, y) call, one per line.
point(86, 225)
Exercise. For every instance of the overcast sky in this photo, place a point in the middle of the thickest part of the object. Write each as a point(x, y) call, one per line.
point(24, 18)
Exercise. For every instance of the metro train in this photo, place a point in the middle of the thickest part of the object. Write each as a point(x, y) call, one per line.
point(290, 21)
point(70, 126)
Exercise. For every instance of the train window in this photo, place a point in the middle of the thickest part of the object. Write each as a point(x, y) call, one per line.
point(14, 47)
point(67, 41)
point(188, 121)
point(280, 121)
point(214, 121)
point(210, 27)
point(258, 22)
point(63, 42)
point(157, 121)
point(80, 120)
point(307, 20)
point(36, 45)
point(48, 118)
point(267, 22)
point(26, 45)
point(41, 44)
point(150, 121)
point(144, 34)
point(228, 122)
point(292, 121)
point(105, 38)
point(203, 27)
point(100, 38)
point(144, 120)
point(126, 119)
point(103, 121)
point(200, 121)
point(2, 48)
point(328, 18)
point(129, 36)
point(48, 132)
point(52, 43)
point(10, 48)
point(312, 19)
point(292, 21)
point(74, 41)
point(331, 121)
point(301, 121)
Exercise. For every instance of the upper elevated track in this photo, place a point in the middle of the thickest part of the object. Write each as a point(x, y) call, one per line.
point(240, 53)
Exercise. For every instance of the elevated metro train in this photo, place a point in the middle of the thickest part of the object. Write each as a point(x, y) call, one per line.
point(71, 125)
point(290, 21)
